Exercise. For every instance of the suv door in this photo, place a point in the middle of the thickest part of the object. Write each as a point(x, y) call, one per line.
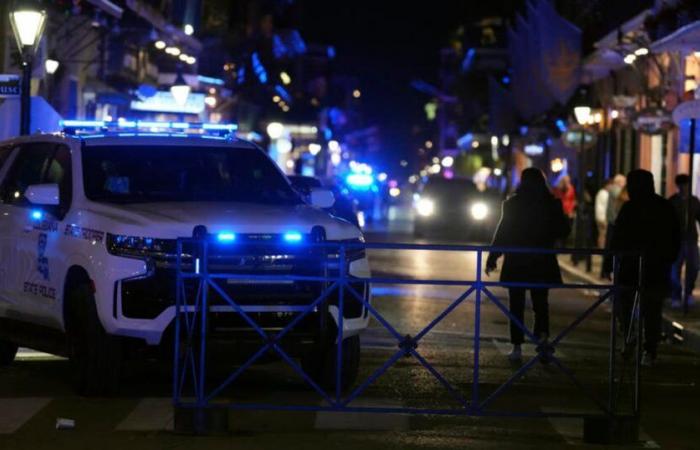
point(5, 240)
point(33, 231)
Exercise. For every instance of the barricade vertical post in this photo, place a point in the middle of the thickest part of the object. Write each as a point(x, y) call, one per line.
point(178, 311)
point(613, 342)
point(640, 325)
point(204, 272)
point(339, 339)
point(477, 331)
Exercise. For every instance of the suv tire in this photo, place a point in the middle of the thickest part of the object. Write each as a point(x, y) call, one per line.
point(322, 369)
point(95, 356)
point(8, 351)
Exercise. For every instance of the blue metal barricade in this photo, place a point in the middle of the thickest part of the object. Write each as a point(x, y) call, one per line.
point(196, 282)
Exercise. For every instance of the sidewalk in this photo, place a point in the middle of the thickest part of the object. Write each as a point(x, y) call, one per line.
point(681, 329)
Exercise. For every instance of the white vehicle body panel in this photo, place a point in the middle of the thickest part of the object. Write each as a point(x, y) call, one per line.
point(79, 239)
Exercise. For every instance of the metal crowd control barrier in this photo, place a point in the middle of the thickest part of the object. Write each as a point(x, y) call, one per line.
point(195, 402)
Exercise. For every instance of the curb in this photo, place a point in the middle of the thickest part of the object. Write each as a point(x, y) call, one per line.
point(673, 328)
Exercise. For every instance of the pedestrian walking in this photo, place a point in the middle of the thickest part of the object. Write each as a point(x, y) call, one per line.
point(688, 218)
point(532, 218)
point(647, 223)
point(566, 193)
point(602, 198)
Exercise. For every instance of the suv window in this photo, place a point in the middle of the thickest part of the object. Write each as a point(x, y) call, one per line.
point(5, 153)
point(37, 163)
point(143, 174)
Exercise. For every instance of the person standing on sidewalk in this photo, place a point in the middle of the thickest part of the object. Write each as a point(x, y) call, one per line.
point(689, 243)
point(602, 198)
point(647, 224)
point(532, 218)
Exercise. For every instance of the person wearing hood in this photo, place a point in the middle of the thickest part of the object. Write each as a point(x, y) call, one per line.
point(532, 218)
point(646, 224)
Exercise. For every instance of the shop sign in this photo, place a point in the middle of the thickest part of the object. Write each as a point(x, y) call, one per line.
point(653, 121)
point(9, 86)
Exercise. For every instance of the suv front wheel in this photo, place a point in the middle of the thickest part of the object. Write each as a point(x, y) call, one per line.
point(95, 356)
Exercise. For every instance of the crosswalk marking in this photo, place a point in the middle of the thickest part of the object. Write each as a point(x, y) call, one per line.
point(362, 420)
point(151, 414)
point(17, 411)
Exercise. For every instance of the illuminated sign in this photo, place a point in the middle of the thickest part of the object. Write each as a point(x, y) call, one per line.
point(534, 149)
point(9, 86)
point(164, 102)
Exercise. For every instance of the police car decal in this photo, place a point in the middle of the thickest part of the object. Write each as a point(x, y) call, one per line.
point(87, 234)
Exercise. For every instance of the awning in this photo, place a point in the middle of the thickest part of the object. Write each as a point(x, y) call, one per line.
point(600, 63)
point(108, 7)
point(685, 40)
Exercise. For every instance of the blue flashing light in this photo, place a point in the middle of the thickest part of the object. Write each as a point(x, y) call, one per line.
point(561, 125)
point(82, 123)
point(210, 80)
point(226, 237)
point(37, 214)
point(505, 79)
point(126, 124)
point(147, 124)
point(179, 125)
point(220, 126)
point(359, 180)
point(292, 237)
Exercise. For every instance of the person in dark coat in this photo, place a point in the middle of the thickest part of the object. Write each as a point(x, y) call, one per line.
point(532, 218)
point(682, 293)
point(647, 223)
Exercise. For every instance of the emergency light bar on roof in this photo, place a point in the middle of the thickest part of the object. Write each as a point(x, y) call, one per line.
point(146, 126)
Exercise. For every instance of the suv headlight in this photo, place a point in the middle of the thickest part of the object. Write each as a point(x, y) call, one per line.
point(479, 211)
point(122, 245)
point(425, 207)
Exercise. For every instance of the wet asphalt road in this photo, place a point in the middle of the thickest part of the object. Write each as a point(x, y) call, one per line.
point(34, 391)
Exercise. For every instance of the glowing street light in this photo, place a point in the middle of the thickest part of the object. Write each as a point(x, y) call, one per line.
point(180, 90)
point(188, 29)
point(275, 130)
point(286, 79)
point(51, 66)
point(160, 45)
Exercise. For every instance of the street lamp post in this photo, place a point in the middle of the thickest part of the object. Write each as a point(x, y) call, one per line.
point(28, 26)
point(583, 116)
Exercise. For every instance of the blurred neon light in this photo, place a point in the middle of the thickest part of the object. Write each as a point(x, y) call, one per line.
point(292, 236)
point(226, 237)
point(359, 180)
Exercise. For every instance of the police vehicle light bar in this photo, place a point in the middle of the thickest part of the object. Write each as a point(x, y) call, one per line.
point(142, 125)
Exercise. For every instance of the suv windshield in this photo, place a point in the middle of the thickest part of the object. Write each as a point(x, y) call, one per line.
point(143, 174)
point(439, 187)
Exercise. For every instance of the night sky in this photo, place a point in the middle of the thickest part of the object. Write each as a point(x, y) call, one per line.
point(386, 44)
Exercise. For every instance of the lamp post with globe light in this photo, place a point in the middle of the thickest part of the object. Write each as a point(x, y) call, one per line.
point(28, 25)
point(583, 116)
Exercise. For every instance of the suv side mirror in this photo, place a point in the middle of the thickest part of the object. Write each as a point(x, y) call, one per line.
point(321, 198)
point(43, 194)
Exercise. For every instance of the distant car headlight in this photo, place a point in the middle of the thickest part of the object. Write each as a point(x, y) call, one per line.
point(425, 207)
point(479, 211)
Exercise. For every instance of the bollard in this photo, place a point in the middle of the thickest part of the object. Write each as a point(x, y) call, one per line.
point(611, 430)
point(201, 421)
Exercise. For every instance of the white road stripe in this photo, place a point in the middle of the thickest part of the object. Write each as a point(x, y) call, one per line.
point(571, 430)
point(17, 411)
point(151, 414)
point(362, 420)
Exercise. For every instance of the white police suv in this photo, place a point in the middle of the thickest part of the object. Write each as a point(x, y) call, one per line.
point(88, 229)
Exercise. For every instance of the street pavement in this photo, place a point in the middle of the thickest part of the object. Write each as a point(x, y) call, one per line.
point(34, 392)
